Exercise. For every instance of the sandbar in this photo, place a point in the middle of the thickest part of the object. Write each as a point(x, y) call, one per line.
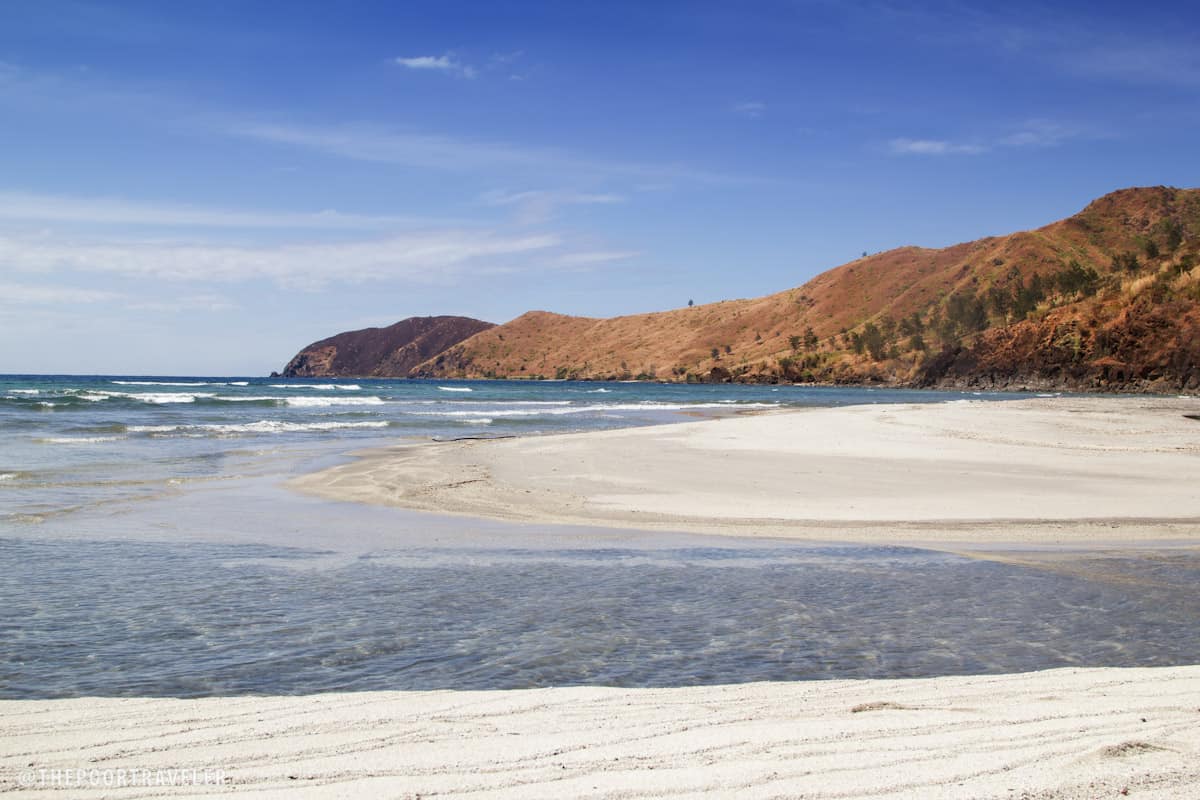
point(1063, 470)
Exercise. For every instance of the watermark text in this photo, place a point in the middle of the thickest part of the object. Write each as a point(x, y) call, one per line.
point(118, 777)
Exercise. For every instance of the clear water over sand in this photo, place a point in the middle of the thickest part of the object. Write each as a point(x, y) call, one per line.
point(224, 583)
point(128, 617)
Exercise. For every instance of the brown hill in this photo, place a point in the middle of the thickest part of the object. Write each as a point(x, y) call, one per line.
point(389, 352)
point(1107, 298)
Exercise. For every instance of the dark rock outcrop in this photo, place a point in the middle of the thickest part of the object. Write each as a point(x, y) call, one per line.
point(390, 352)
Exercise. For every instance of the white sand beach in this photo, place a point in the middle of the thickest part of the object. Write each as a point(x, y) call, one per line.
point(1053, 470)
point(1049, 471)
point(1065, 733)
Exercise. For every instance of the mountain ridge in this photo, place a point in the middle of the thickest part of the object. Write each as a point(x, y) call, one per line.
point(1106, 299)
point(994, 312)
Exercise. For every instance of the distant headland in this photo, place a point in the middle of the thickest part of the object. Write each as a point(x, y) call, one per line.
point(1105, 300)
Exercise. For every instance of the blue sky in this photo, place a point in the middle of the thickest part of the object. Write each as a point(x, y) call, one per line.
point(204, 188)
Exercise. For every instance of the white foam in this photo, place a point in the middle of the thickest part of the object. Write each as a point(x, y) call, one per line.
point(598, 391)
point(165, 383)
point(165, 398)
point(155, 398)
point(646, 406)
point(240, 383)
point(319, 402)
point(325, 387)
point(457, 403)
point(79, 439)
point(456, 388)
point(277, 426)
point(7, 476)
point(262, 426)
point(25, 391)
point(484, 414)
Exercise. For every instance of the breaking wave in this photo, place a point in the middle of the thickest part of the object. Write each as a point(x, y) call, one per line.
point(262, 426)
point(325, 387)
point(317, 402)
point(647, 406)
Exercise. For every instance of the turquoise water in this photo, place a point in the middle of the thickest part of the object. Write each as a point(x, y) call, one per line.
point(147, 548)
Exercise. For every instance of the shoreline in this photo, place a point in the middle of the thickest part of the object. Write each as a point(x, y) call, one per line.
point(1063, 471)
point(1024, 466)
point(1064, 733)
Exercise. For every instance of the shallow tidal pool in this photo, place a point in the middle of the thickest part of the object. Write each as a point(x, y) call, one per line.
point(145, 618)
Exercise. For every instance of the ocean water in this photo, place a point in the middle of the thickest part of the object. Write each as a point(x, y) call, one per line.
point(148, 548)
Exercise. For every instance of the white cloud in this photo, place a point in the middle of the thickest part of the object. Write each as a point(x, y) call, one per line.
point(598, 257)
point(507, 62)
point(367, 143)
point(428, 256)
point(1139, 62)
point(1039, 133)
point(1033, 133)
point(933, 147)
point(432, 151)
point(25, 294)
point(214, 303)
point(112, 210)
point(443, 63)
point(752, 109)
point(538, 206)
point(1077, 45)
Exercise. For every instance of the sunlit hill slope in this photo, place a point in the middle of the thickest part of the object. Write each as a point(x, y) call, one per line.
point(1106, 299)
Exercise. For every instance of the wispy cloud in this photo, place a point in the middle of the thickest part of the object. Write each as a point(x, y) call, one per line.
point(507, 62)
point(533, 207)
point(212, 303)
point(933, 147)
point(1032, 133)
point(113, 210)
point(597, 257)
point(1040, 133)
point(429, 257)
point(1072, 44)
point(1139, 62)
point(19, 294)
point(371, 142)
point(752, 109)
point(446, 62)
point(406, 148)
point(434, 151)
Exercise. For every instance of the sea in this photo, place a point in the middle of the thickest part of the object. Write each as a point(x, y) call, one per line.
point(148, 547)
